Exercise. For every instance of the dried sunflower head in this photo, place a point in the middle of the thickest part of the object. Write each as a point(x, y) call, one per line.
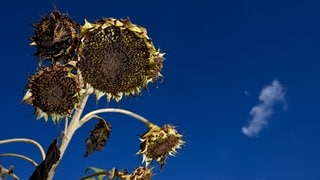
point(55, 37)
point(141, 173)
point(53, 92)
point(117, 58)
point(158, 143)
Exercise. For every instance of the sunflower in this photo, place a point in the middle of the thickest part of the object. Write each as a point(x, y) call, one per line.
point(53, 92)
point(158, 143)
point(117, 58)
point(141, 173)
point(55, 37)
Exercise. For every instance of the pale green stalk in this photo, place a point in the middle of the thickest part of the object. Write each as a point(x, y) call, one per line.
point(88, 116)
point(68, 134)
point(14, 140)
point(22, 157)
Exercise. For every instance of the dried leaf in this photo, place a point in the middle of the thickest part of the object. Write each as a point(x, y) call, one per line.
point(52, 156)
point(101, 173)
point(96, 171)
point(98, 137)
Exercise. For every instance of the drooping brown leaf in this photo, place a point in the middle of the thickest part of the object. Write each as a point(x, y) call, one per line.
point(52, 156)
point(98, 137)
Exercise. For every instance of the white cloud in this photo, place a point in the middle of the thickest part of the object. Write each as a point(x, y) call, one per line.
point(269, 96)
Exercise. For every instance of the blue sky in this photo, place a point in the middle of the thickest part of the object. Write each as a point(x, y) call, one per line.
point(221, 58)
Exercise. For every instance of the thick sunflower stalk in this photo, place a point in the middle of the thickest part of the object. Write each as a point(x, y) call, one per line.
point(109, 58)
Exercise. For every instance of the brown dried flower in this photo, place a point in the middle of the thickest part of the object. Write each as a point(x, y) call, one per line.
point(55, 37)
point(117, 58)
point(53, 92)
point(141, 173)
point(158, 143)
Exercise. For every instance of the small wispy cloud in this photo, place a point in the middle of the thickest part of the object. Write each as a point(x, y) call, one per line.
point(269, 96)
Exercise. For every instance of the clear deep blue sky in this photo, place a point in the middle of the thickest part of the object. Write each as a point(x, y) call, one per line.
point(220, 55)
